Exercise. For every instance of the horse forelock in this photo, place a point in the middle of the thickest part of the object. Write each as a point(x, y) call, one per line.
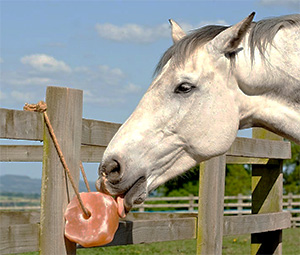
point(188, 44)
point(261, 34)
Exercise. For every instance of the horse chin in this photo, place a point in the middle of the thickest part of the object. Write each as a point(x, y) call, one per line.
point(136, 194)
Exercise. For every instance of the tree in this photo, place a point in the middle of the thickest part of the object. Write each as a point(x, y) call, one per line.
point(291, 173)
point(182, 185)
point(238, 180)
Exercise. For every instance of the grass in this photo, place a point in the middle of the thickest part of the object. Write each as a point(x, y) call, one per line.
point(232, 245)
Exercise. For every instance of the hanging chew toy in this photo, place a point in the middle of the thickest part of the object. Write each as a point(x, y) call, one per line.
point(99, 227)
point(92, 218)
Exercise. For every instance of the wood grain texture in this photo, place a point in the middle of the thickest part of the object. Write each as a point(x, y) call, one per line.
point(21, 125)
point(211, 206)
point(258, 148)
point(34, 153)
point(21, 153)
point(98, 132)
point(65, 114)
point(256, 223)
point(10, 218)
point(267, 198)
point(139, 228)
point(29, 126)
point(19, 238)
point(25, 125)
point(149, 231)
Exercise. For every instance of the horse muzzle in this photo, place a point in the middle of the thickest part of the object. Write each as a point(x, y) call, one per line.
point(111, 181)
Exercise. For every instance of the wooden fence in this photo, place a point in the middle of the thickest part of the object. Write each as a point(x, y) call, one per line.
point(233, 205)
point(87, 139)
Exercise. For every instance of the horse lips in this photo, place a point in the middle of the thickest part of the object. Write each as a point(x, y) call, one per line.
point(100, 227)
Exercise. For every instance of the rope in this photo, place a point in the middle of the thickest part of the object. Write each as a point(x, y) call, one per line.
point(84, 177)
point(42, 107)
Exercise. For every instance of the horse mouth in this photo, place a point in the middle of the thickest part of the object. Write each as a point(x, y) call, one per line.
point(135, 194)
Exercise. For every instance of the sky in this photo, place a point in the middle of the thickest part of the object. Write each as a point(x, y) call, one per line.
point(108, 49)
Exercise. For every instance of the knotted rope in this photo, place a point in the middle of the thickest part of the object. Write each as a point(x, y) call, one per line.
point(42, 107)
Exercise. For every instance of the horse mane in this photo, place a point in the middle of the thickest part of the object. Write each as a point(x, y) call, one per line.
point(261, 34)
point(188, 44)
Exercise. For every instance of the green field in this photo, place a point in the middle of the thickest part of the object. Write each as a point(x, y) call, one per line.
point(231, 245)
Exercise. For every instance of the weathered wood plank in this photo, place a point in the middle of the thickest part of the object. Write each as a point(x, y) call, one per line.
point(144, 228)
point(149, 231)
point(24, 238)
point(21, 125)
point(243, 161)
point(267, 198)
point(259, 148)
point(133, 216)
point(256, 223)
point(98, 132)
point(29, 126)
point(210, 209)
point(19, 238)
point(21, 153)
point(92, 153)
point(9, 218)
point(65, 114)
point(34, 153)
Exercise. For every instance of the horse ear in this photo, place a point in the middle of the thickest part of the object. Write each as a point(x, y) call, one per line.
point(177, 32)
point(229, 40)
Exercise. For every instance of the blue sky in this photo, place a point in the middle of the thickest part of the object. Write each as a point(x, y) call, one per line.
point(109, 49)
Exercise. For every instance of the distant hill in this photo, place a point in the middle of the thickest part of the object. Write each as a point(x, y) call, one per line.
point(27, 185)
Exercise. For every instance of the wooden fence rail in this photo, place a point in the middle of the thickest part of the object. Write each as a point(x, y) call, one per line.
point(87, 139)
point(233, 205)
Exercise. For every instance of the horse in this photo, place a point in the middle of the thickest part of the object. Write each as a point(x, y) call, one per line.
point(209, 84)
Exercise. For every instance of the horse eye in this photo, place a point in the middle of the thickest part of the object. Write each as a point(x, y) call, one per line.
point(184, 88)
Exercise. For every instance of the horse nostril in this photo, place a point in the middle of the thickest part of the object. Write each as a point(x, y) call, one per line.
point(112, 171)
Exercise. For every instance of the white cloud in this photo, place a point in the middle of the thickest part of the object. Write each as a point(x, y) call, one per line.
point(22, 97)
point(90, 97)
point(1, 60)
point(102, 84)
point(189, 27)
point(293, 4)
point(2, 95)
point(132, 32)
point(45, 63)
point(110, 76)
point(144, 34)
point(40, 81)
point(55, 45)
point(131, 88)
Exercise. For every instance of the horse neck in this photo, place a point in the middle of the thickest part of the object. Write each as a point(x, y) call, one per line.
point(270, 88)
point(275, 71)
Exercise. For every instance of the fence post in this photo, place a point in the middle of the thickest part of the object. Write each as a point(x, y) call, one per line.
point(191, 202)
point(290, 206)
point(65, 114)
point(211, 206)
point(240, 201)
point(289, 202)
point(267, 198)
point(141, 208)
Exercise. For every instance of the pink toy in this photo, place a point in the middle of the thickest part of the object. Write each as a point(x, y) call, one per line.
point(100, 227)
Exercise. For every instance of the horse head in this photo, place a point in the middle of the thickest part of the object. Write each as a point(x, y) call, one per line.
point(189, 114)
